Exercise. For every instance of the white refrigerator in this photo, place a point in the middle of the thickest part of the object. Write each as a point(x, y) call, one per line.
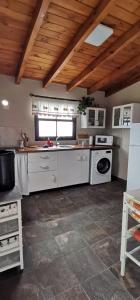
point(133, 176)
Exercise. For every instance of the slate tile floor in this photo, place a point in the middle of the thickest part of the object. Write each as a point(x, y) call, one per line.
point(72, 247)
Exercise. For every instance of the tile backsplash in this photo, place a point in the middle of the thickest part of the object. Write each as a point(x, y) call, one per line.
point(10, 136)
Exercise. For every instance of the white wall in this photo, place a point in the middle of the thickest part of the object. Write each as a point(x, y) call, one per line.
point(19, 116)
point(121, 136)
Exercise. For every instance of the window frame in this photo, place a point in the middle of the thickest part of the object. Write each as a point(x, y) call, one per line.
point(61, 138)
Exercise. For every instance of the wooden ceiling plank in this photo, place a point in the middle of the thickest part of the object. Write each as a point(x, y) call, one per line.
point(126, 83)
point(92, 21)
point(109, 53)
point(37, 21)
point(114, 76)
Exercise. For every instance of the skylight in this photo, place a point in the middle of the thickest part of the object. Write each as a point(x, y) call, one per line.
point(99, 35)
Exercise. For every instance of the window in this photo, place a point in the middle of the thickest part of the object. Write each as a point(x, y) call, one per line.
point(64, 127)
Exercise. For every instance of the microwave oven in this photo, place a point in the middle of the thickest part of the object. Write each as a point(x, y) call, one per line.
point(104, 140)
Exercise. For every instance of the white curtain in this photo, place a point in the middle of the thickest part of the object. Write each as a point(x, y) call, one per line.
point(21, 173)
point(56, 107)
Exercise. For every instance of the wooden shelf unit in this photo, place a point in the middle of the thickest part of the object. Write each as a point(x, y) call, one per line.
point(12, 257)
point(128, 209)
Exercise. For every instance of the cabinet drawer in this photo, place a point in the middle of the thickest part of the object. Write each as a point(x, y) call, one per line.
point(7, 210)
point(9, 259)
point(42, 166)
point(42, 181)
point(42, 157)
point(8, 227)
point(9, 243)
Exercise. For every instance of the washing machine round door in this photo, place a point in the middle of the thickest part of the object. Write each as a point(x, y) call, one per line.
point(103, 165)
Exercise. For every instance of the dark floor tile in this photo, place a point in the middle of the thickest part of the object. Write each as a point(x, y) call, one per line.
point(76, 293)
point(9, 274)
point(23, 287)
point(70, 241)
point(61, 222)
point(80, 219)
point(44, 251)
point(107, 250)
point(92, 233)
point(30, 211)
point(35, 233)
point(105, 287)
point(59, 226)
point(49, 204)
point(55, 277)
point(84, 264)
point(131, 280)
point(112, 224)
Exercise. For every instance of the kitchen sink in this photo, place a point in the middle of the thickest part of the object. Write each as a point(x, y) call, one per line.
point(65, 146)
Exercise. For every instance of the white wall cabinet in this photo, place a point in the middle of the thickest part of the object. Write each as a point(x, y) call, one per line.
point(94, 118)
point(73, 167)
point(123, 116)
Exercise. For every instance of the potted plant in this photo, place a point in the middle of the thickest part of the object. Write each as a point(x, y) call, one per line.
point(84, 103)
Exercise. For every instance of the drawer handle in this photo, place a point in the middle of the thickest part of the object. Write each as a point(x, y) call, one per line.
point(44, 167)
point(84, 157)
point(44, 157)
point(54, 178)
point(79, 158)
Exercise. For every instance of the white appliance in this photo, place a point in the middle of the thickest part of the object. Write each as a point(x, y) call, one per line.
point(105, 140)
point(133, 175)
point(101, 165)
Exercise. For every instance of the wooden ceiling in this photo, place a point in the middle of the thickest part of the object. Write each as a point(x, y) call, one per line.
point(44, 39)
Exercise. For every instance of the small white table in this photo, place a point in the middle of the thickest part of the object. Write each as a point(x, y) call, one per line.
point(130, 197)
point(11, 247)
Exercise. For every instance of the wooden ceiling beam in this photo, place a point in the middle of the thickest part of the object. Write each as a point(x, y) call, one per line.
point(123, 84)
point(97, 15)
point(115, 75)
point(40, 12)
point(109, 53)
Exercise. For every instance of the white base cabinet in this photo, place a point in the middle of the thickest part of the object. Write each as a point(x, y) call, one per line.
point(73, 167)
point(42, 171)
point(49, 170)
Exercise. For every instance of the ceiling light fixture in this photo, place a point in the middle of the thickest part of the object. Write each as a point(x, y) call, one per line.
point(5, 103)
point(99, 35)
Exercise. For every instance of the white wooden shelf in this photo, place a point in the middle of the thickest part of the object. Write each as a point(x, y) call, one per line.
point(6, 236)
point(130, 198)
point(10, 267)
point(6, 219)
point(12, 250)
point(8, 245)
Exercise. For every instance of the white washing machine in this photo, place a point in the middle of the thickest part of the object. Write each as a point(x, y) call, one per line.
point(101, 165)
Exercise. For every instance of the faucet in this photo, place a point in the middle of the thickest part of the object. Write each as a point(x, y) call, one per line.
point(56, 140)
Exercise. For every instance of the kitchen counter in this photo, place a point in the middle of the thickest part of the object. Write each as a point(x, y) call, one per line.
point(63, 147)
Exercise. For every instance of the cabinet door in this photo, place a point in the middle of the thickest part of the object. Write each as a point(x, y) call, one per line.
point(42, 181)
point(126, 115)
point(69, 167)
point(91, 117)
point(117, 117)
point(101, 117)
point(85, 166)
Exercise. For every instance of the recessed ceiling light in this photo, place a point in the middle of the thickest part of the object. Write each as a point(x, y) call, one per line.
point(99, 35)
